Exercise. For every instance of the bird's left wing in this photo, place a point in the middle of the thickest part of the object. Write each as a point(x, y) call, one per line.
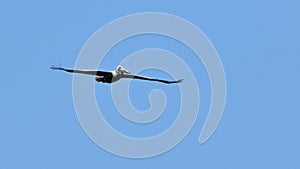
point(150, 79)
point(89, 72)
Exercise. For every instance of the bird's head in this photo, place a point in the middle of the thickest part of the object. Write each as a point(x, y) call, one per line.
point(121, 70)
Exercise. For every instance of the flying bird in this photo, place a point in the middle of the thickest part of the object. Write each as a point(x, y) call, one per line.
point(113, 76)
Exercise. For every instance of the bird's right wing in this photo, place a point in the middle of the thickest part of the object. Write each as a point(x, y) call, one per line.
point(150, 79)
point(88, 72)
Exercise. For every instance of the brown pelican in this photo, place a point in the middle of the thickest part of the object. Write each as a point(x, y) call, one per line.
point(112, 76)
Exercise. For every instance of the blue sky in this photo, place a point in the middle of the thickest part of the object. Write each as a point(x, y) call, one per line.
point(258, 43)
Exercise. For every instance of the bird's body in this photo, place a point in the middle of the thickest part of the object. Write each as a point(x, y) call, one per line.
point(112, 76)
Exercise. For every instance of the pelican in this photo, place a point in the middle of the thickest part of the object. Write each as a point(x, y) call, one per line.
point(113, 76)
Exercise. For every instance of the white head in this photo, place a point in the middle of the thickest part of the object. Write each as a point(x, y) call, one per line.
point(121, 70)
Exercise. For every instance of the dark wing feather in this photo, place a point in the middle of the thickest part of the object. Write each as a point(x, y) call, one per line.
point(150, 79)
point(88, 72)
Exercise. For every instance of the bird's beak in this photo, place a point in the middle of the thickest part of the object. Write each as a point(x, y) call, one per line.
point(125, 71)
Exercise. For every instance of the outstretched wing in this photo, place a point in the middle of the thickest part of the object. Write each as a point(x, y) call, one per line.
point(88, 72)
point(150, 79)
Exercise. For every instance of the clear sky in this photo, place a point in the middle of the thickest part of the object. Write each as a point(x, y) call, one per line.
point(258, 43)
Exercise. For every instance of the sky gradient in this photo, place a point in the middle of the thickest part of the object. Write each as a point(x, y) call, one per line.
point(257, 41)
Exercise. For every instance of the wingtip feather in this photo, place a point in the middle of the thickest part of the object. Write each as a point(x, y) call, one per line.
point(55, 67)
point(180, 81)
